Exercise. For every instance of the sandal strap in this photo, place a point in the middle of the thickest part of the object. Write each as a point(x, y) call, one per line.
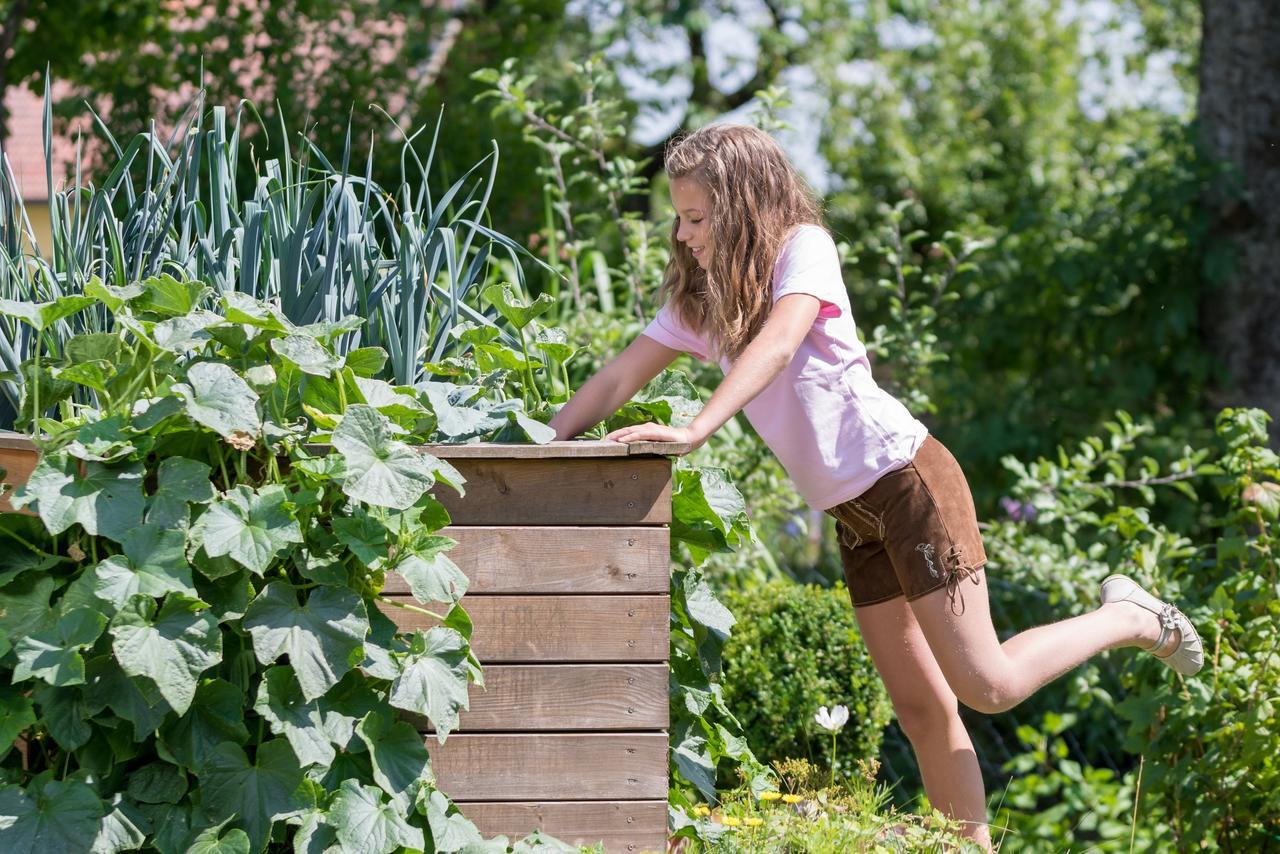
point(1169, 619)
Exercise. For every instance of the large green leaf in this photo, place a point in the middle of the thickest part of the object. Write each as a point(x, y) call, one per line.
point(105, 500)
point(364, 534)
point(16, 714)
point(24, 608)
point(213, 840)
point(171, 648)
point(111, 296)
point(312, 727)
point(180, 482)
point(242, 308)
point(307, 354)
point(458, 417)
point(433, 678)
point(518, 312)
point(216, 716)
point(449, 832)
point(166, 295)
point(118, 830)
point(365, 822)
point(323, 639)
point(400, 761)
point(171, 826)
point(102, 441)
point(135, 700)
point(380, 470)
point(189, 332)
point(157, 783)
point(707, 510)
point(252, 794)
point(431, 575)
point(55, 817)
point(250, 527)
point(65, 712)
point(220, 399)
point(42, 315)
point(366, 361)
point(54, 655)
point(154, 563)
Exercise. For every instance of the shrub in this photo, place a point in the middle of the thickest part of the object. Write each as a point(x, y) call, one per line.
point(1208, 743)
point(795, 648)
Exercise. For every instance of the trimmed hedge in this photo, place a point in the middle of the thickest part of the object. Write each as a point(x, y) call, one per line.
point(794, 648)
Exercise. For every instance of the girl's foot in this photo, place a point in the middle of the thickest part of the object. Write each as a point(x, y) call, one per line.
point(1177, 644)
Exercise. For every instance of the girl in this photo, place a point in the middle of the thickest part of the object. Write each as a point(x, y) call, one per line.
point(754, 282)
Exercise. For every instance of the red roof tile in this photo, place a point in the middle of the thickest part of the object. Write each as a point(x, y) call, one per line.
point(24, 146)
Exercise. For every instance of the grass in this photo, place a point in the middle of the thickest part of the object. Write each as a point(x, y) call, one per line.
point(853, 815)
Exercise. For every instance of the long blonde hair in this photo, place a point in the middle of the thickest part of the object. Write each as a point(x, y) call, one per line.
point(757, 197)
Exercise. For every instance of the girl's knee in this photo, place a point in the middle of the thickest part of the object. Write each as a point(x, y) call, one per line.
point(990, 698)
point(924, 717)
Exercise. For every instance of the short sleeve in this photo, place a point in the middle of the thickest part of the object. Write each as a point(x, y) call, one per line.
point(810, 264)
point(668, 330)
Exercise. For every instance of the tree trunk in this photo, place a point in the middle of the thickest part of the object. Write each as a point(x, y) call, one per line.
point(1239, 111)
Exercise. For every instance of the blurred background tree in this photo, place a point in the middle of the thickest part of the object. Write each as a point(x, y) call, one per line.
point(1109, 167)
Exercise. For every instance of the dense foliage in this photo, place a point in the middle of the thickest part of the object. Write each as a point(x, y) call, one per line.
point(797, 647)
point(1208, 743)
point(189, 540)
point(179, 353)
point(1026, 253)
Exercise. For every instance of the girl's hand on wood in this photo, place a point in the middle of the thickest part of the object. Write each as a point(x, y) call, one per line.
point(656, 433)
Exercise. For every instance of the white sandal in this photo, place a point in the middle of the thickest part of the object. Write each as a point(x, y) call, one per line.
point(1188, 657)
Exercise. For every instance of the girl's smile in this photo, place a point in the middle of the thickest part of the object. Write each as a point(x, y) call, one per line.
point(693, 205)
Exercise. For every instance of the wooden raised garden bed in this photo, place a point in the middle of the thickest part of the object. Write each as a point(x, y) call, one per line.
point(566, 548)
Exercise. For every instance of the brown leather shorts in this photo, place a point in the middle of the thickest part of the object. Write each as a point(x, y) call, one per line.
point(913, 532)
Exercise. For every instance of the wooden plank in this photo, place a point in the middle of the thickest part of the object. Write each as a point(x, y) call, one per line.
point(551, 766)
point(576, 448)
point(501, 450)
point(590, 491)
point(17, 441)
point(558, 559)
point(625, 827)
point(566, 697)
point(523, 629)
point(18, 463)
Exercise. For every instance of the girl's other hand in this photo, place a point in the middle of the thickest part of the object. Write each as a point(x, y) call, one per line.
point(656, 433)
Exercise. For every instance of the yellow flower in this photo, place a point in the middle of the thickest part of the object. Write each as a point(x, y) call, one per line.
point(701, 809)
point(753, 822)
point(770, 796)
point(731, 821)
point(792, 799)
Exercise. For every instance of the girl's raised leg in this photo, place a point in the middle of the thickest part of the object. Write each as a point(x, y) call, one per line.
point(927, 712)
point(991, 677)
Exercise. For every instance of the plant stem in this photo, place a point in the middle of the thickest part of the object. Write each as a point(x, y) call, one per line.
point(222, 464)
point(528, 370)
point(833, 759)
point(1137, 794)
point(397, 603)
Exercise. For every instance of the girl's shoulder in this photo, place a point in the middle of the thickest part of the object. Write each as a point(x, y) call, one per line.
point(806, 238)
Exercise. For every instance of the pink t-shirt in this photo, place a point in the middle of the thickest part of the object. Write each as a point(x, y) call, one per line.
point(833, 429)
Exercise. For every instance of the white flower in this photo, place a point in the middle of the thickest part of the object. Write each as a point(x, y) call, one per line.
point(833, 720)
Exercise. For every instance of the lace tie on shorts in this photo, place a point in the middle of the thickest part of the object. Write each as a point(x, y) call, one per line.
point(957, 570)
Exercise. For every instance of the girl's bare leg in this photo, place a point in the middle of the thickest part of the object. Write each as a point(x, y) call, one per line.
point(989, 676)
point(927, 712)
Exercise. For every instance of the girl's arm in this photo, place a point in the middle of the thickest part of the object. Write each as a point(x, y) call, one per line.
point(612, 386)
point(764, 358)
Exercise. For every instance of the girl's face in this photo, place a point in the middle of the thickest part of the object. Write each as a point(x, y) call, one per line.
point(693, 208)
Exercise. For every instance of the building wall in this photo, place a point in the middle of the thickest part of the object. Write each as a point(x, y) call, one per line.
point(38, 213)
